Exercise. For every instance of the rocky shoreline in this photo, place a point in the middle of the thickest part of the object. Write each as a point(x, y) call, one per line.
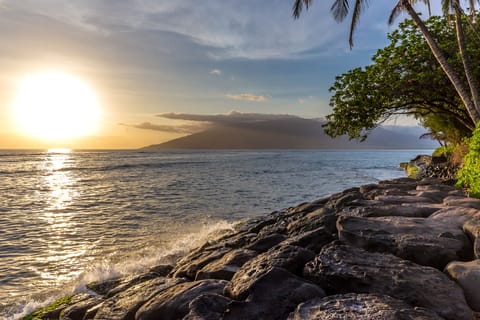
point(399, 249)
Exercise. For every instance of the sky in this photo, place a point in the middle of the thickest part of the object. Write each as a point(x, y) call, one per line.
point(145, 59)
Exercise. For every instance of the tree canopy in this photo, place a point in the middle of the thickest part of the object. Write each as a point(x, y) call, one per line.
point(405, 79)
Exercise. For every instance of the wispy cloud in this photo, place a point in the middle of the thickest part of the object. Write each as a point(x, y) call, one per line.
point(247, 97)
point(216, 72)
point(165, 128)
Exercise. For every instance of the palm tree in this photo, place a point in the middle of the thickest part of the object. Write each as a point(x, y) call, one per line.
point(340, 9)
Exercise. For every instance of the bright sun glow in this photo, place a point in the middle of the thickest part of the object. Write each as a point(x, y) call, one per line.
point(55, 106)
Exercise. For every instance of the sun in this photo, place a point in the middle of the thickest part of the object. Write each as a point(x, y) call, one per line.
point(55, 106)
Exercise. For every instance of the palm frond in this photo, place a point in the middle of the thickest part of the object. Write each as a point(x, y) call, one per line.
point(339, 9)
point(298, 7)
point(357, 11)
point(395, 12)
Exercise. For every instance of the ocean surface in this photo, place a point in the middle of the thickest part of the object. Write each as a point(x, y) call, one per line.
point(69, 218)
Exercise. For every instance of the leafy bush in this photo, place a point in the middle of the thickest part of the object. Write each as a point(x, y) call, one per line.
point(443, 151)
point(469, 174)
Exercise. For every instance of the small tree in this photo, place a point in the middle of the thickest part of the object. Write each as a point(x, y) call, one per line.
point(404, 79)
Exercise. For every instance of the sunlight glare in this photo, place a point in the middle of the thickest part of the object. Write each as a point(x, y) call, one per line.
point(55, 106)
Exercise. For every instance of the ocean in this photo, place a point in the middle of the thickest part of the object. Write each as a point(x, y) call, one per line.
point(69, 218)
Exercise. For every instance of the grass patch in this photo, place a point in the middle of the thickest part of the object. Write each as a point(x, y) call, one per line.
point(46, 310)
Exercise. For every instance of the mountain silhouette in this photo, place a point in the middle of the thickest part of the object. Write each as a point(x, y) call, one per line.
point(293, 133)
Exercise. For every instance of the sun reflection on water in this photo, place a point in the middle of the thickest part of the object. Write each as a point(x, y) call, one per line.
point(61, 252)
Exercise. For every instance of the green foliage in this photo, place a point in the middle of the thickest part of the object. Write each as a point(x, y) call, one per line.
point(469, 174)
point(443, 151)
point(51, 307)
point(406, 79)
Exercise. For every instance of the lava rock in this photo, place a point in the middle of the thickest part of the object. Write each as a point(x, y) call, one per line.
point(424, 241)
point(412, 210)
point(225, 267)
point(467, 275)
point(341, 268)
point(125, 304)
point(462, 202)
point(273, 295)
point(360, 307)
point(173, 303)
point(209, 306)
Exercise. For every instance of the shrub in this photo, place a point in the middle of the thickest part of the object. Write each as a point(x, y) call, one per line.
point(469, 174)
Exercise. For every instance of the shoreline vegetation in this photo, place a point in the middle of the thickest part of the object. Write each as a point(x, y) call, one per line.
point(402, 248)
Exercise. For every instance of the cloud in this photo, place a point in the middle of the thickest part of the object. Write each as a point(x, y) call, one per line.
point(165, 128)
point(232, 29)
point(246, 97)
point(229, 118)
point(216, 72)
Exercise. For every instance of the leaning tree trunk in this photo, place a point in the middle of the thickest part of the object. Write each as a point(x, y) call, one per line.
point(467, 66)
point(452, 76)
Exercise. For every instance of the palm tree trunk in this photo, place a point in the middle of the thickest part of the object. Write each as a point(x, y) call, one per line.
point(452, 76)
point(472, 82)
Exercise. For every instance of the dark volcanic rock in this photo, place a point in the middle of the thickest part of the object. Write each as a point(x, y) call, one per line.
point(321, 218)
point(312, 240)
point(424, 241)
point(209, 306)
point(467, 275)
point(408, 210)
point(190, 265)
point(291, 258)
point(360, 307)
point(462, 202)
point(124, 305)
point(273, 295)
point(77, 310)
point(472, 228)
point(394, 199)
point(173, 303)
point(343, 269)
point(225, 267)
point(262, 244)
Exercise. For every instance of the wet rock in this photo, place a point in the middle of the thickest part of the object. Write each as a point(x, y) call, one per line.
point(360, 307)
point(455, 216)
point(472, 228)
point(290, 258)
point(77, 310)
point(467, 275)
point(436, 196)
point(311, 240)
point(124, 305)
point(262, 244)
point(102, 287)
point(323, 217)
point(348, 197)
point(409, 210)
point(208, 306)
point(173, 303)
point(273, 295)
point(423, 241)
point(129, 281)
point(462, 202)
point(343, 269)
point(191, 264)
point(225, 267)
point(403, 199)
point(161, 270)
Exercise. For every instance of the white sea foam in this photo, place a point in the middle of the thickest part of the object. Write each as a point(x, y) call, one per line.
point(105, 269)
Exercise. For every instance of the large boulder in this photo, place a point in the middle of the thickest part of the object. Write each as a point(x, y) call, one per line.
point(424, 241)
point(472, 228)
point(209, 306)
point(467, 275)
point(125, 304)
point(273, 294)
point(173, 303)
point(225, 267)
point(341, 268)
point(456, 201)
point(360, 307)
